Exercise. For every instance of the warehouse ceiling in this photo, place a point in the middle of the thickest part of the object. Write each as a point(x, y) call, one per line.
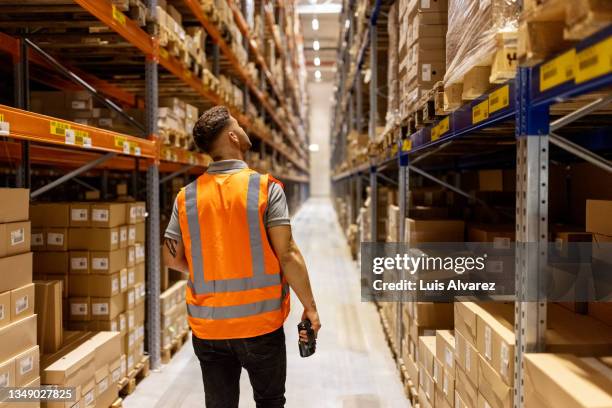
point(327, 13)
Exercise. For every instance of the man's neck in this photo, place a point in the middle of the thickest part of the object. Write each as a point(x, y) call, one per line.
point(230, 156)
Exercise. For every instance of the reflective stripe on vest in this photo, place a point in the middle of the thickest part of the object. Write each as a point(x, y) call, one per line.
point(202, 286)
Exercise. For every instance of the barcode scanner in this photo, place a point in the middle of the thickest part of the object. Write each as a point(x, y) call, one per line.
point(307, 348)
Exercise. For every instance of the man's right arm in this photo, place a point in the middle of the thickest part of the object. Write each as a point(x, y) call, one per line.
point(173, 250)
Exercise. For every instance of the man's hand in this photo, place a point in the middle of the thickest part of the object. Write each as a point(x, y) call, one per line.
point(313, 316)
point(174, 255)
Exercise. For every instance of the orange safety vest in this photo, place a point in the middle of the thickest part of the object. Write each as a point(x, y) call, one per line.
point(235, 287)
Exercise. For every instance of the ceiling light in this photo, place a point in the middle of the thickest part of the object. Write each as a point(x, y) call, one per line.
point(315, 24)
point(316, 45)
point(313, 147)
point(317, 61)
point(317, 74)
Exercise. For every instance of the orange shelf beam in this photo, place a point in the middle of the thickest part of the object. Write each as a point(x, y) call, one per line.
point(35, 127)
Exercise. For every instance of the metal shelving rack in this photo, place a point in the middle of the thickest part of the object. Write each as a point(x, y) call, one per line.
point(518, 111)
point(86, 147)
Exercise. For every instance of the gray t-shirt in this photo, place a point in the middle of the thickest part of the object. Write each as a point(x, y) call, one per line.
point(277, 212)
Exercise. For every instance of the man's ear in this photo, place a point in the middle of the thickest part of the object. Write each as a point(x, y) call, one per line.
point(233, 137)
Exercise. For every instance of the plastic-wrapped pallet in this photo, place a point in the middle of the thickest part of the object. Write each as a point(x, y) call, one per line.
point(480, 34)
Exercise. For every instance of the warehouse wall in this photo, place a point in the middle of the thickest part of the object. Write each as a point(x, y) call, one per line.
point(320, 94)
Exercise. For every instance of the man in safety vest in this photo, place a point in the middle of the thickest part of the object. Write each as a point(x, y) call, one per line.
point(230, 231)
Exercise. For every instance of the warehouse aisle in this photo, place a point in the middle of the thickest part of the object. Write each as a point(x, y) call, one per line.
point(352, 368)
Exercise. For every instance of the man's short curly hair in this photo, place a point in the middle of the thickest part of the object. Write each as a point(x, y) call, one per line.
point(209, 126)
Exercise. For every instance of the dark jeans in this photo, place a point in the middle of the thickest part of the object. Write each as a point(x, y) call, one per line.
point(265, 359)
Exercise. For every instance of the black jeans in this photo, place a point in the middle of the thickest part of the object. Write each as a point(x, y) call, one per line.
point(265, 359)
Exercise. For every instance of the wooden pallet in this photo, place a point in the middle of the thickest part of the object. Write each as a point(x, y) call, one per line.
point(128, 384)
point(169, 351)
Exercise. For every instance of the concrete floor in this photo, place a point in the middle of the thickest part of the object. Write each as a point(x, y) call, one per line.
point(352, 367)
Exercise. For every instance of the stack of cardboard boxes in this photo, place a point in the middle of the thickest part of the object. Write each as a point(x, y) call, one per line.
point(19, 353)
point(97, 251)
point(422, 48)
point(176, 120)
point(174, 324)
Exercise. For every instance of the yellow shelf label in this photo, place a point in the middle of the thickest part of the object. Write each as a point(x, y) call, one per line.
point(441, 128)
point(118, 15)
point(120, 141)
point(1, 117)
point(557, 71)
point(81, 138)
point(163, 53)
point(594, 61)
point(406, 145)
point(58, 128)
point(499, 99)
point(480, 112)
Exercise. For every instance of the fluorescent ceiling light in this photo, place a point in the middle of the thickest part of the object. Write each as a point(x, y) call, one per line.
point(331, 8)
point(317, 74)
point(317, 61)
point(313, 147)
point(316, 45)
point(315, 24)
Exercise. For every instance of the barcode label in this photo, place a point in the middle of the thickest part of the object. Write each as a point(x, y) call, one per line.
point(78, 214)
point(37, 239)
point(26, 365)
point(99, 264)
point(55, 238)
point(78, 309)
point(78, 263)
point(17, 236)
point(21, 304)
point(99, 215)
point(99, 309)
point(487, 336)
point(114, 237)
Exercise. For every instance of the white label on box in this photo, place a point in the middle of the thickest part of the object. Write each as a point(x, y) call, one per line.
point(17, 236)
point(426, 72)
point(126, 147)
point(124, 282)
point(5, 128)
point(103, 385)
point(78, 104)
point(21, 304)
point(445, 385)
point(449, 357)
point(115, 285)
point(131, 297)
point(435, 372)
point(132, 233)
point(99, 309)
point(140, 252)
point(137, 151)
point(116, 374)
point(122, 322)
point(131, 339)
point(4, 380)
point(26, 365)
point(37, 239)
point(487, 335)
point(140, 331)
point(495, 266)
point(55, 238)
point(89, 398)
point(142, 290)
point(99, 214)
point(425, 4)
point(1, 312)
point(131, 255)
point(457, 400)
point(133, 213)
point(78, 214)
point(69, 136)
point(105, 122)
point(131, 320)
point(504, 359)
point(87, 142)
point(99, 264)
point(131, 277)
point(78, 309)
point(114, 326)
point(468, 361)
point(114, 237)
point(123, 235)
point(130, 361)
point(501, 243)
point(79, 263)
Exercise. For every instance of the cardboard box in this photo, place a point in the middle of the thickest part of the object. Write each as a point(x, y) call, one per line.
point(139, 273)
point(56, 239)
point(495, 333)
point(93, 239)
point(114, 369)
point(140, 232)
point(434, 231)
point(54, 215)
point(445, 349)
point(492, 387)
point(598, 218)
point(124, 280)
point(465, 319)
point(491, 180)
point(135, 212)
point(15, 204)
point(57, 263)
point(79, 308)
point(5, 308)
point(15, 271)
point(108, 261)
point(466, 357)
point(7, 373)
point(108, 215)
point(79, 215)
point(465, 391)
point(37, 239)
point(427, 387)
point(22, 302)
point(74, 369)
point(49, 309)
point(601, 311)
point(17, 336)
point(566, 381)
point(500, 235)
point(94, 285)
point(123, 236)
point(27, 366)
point(107, 308)
point(14, 238)
point(79, 262)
